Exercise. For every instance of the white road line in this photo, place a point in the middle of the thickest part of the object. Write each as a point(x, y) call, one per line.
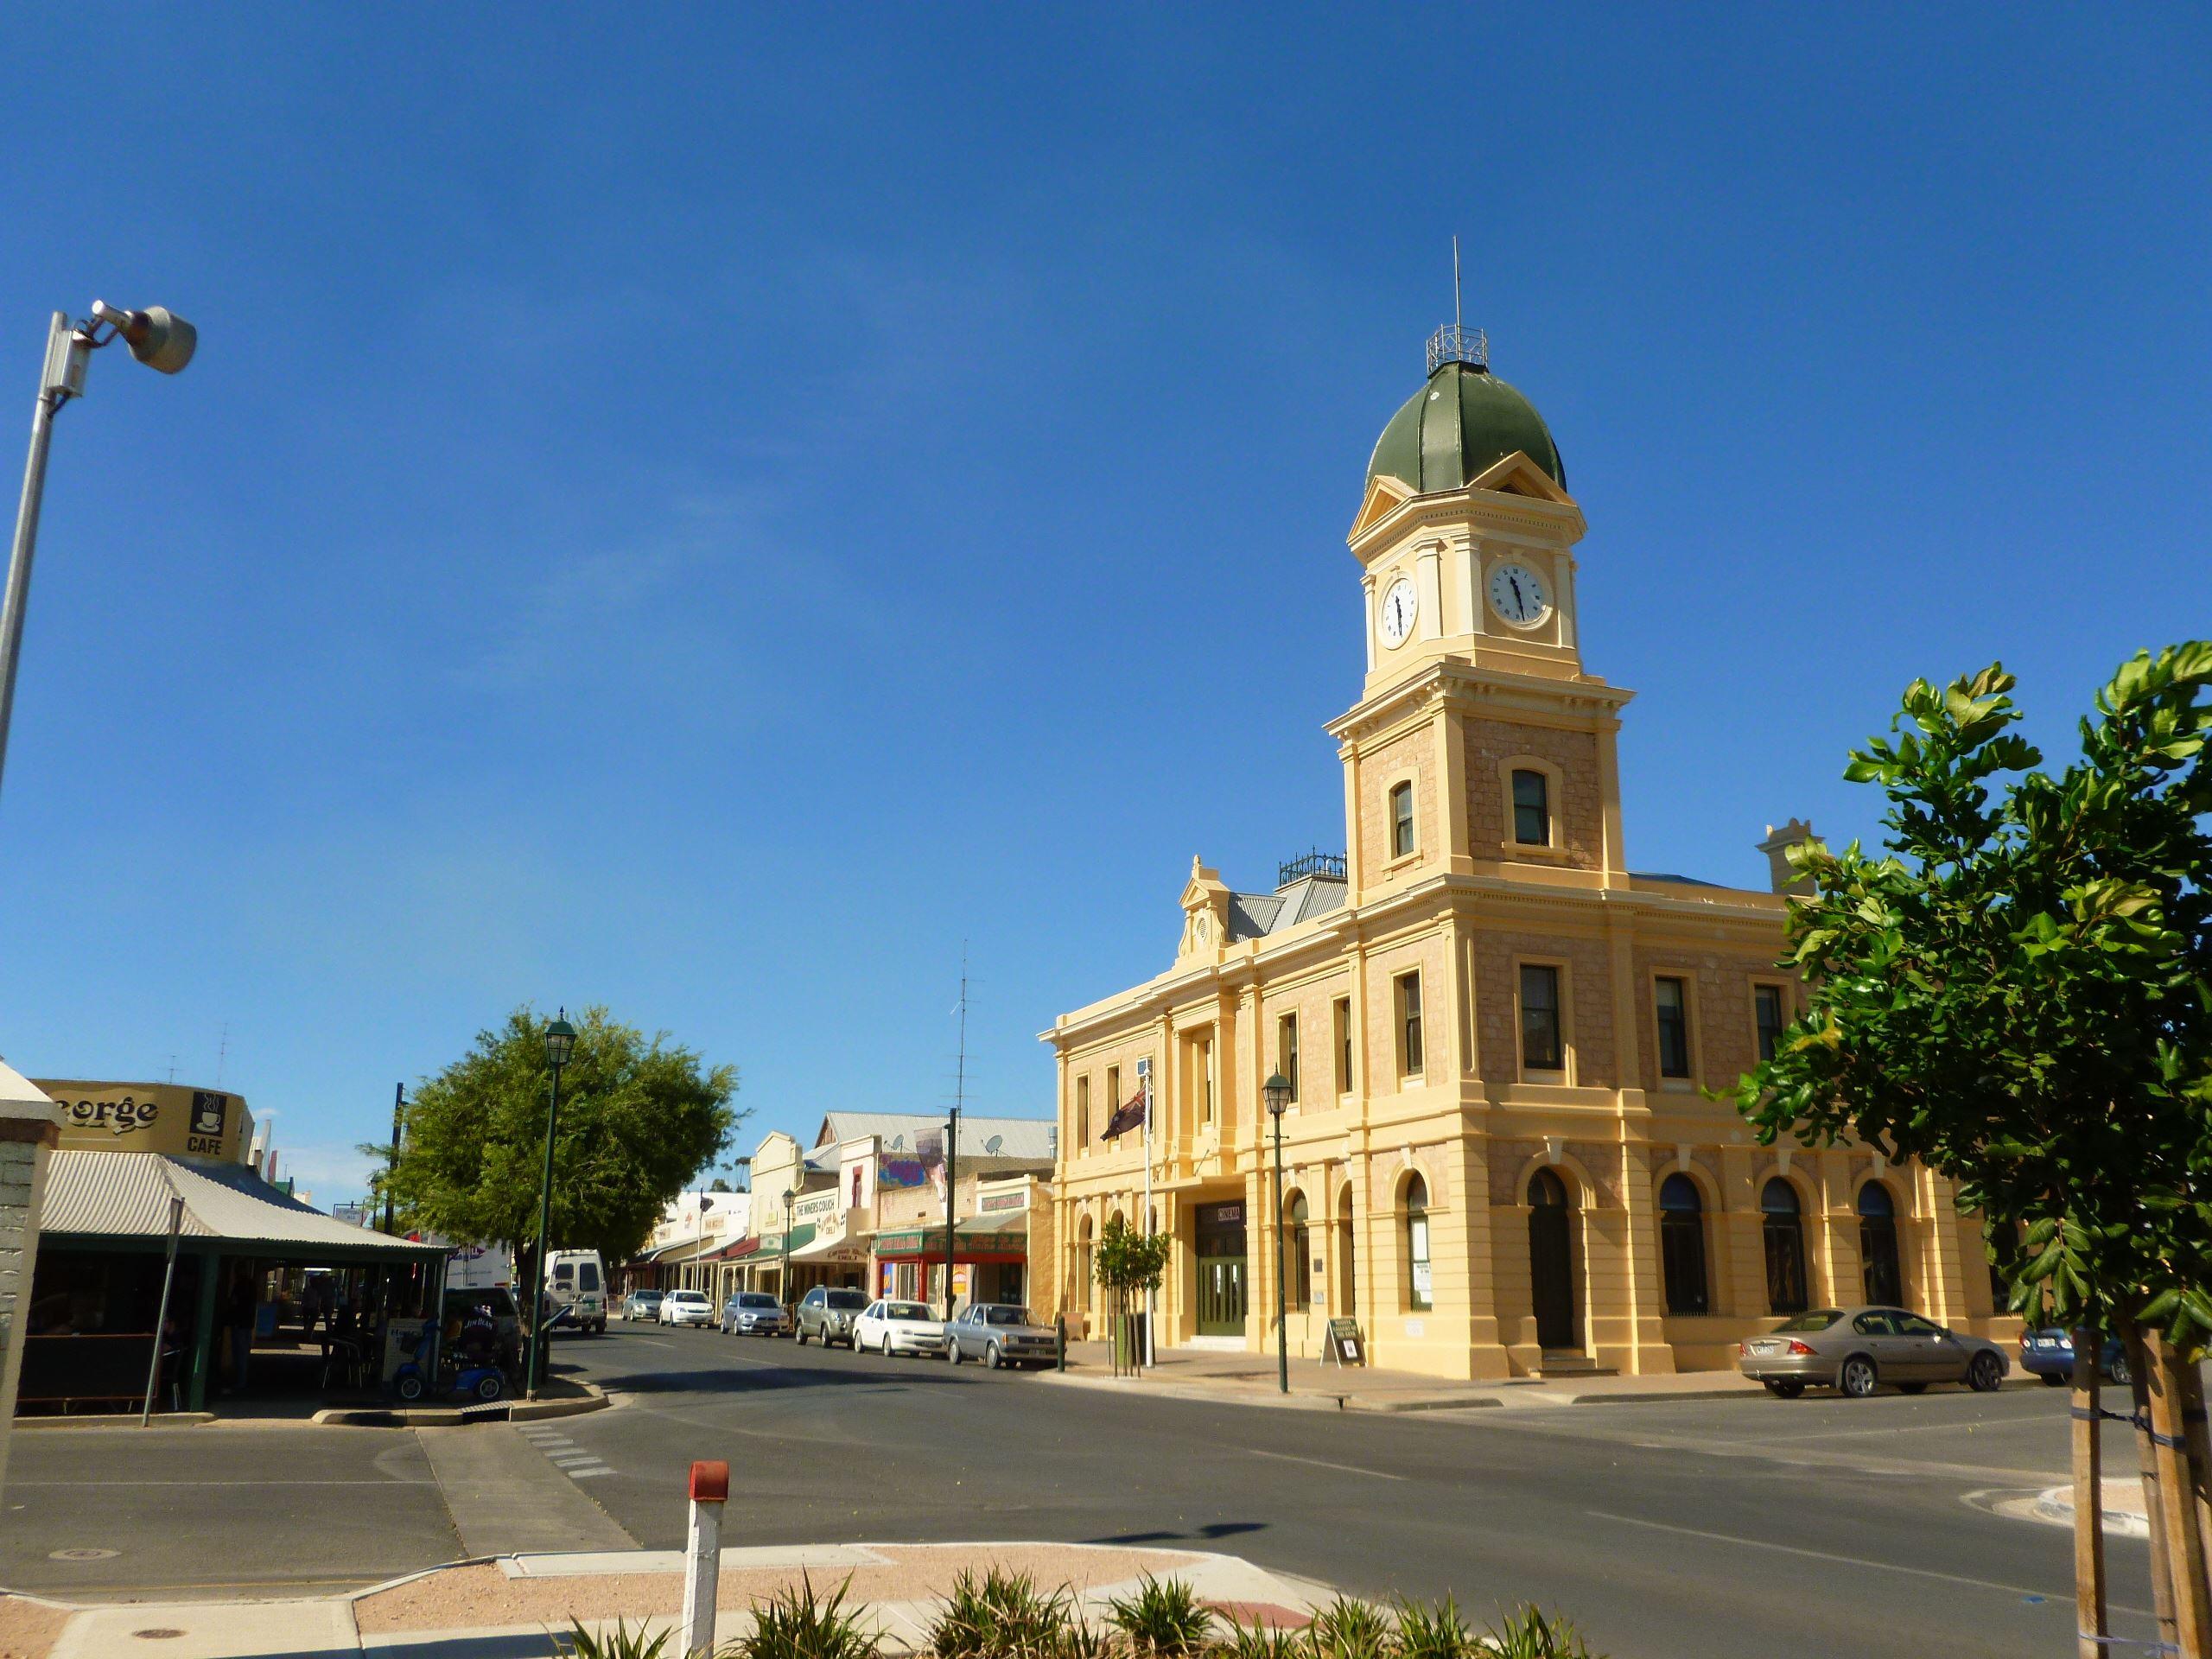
point(571, 1459)
point(2065, 1595)
point(1341, 1468)
point(650, 1343)
point(585, 1474)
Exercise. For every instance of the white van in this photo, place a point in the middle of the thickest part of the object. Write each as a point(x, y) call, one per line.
point(575, 1280)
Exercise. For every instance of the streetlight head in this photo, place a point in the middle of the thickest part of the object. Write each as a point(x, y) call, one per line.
point(1277, 1089)
point(156, 336)
point(560, 1040)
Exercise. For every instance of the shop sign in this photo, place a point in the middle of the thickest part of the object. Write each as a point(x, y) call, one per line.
point(1004, 1201)
point(815, 1205)
point(149, 1117)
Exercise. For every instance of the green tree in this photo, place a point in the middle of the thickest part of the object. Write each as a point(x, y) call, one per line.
point(1128, 1261)
point(638, 1118)
point(2018, 992)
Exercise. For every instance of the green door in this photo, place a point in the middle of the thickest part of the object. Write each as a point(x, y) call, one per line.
point(1221, 1297)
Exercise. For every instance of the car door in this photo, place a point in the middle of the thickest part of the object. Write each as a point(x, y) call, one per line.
point(1926, 1352)
point(969, 1328)
point(1876, 1333)
point(870, 1326)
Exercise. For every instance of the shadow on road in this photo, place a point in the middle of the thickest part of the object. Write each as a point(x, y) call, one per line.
point(1208, 1534)
point(753, 1381)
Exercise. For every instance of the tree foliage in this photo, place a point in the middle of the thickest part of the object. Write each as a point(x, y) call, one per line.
point(2018, 992)
point(638, 1119)
point(1128, 1260)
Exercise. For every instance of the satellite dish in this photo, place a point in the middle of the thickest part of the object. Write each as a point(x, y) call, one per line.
point(898, 1142)
point(992, 1145)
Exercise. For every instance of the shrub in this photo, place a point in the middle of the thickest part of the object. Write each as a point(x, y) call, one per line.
point(1261, 1641)
point(1435, 1631)
point(620, 1642)
point(797, 1623)
point(1532, 1634)
point(1002, 1617)
point(1163, 1618)
point(1349, 1629)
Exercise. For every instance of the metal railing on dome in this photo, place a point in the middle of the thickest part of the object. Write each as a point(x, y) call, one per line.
point(1330, 865)
point(1452, 344)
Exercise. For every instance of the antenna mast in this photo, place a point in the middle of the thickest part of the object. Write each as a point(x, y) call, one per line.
point(1457, 321)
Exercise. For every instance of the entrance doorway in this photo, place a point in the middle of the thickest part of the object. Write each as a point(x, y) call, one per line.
point(1221, 1297)
point(1551, 1261)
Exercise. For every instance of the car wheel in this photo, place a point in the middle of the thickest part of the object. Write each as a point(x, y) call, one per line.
point(2120, 1374)
point(1782, 1388)
point(1985, 1374)
point(993, 1360)
point(2057, 1379)
point(801, 1335)
point(952, 1351)
point(1912, 1388)
point(1857, 1377)
point(488, 1387)
point(409, 1387)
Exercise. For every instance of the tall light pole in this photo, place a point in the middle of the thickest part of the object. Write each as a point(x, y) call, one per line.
point(1277, 1089)
point(560, 1043)
point(951, 1180)
point(156, 338)
point(789, 1300)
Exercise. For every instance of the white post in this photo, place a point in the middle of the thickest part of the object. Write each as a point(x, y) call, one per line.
point(702, 1555)
point(1144, 1071)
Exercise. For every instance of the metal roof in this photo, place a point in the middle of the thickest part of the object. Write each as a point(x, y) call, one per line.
point(1256, 915)
point(1030, 1138)
point(126, 1195)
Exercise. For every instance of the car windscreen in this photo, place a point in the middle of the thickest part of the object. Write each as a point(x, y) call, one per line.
point(1005, 1315)
point(904, 1311)
point(758, 1298)
point(1819, 1319)
point(847, 1301)
point(686, 1296)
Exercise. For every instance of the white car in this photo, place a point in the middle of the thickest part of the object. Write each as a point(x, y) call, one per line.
point(898, 1328)
point(686, 1307)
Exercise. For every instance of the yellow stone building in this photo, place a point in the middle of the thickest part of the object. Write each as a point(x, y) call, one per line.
point(1499, 1158)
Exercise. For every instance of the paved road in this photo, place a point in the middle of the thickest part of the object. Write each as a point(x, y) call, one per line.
point(1689, 1528)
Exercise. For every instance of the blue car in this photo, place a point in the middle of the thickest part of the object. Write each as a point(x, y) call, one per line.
point(2050, 1355)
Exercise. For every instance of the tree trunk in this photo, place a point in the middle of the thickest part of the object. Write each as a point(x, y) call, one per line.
point(2089, 1514)
point(2199, 1436)
point(2184, 1553)
point(2162, 1590)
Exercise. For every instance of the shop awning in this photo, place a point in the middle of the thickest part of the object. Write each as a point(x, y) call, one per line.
point(977, 1235)
point(840, 1249)
point(735, 1252)
point(126, 1196)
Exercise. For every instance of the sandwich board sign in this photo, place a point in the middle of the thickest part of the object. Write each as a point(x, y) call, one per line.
point(1344, 1343)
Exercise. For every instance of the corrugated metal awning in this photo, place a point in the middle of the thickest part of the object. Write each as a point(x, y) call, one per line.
point(126, 1195)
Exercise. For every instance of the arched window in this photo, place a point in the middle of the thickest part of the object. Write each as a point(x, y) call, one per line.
point(1300, 1289)
point(1877, 1245)
point(1785, 1248)
point(1402, 819)
point(1681, 1243)
point(1349, 1299)
point(1085, 1265)
point(1418, 1295)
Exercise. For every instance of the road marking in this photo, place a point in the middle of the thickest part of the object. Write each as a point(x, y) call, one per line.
point(1341, 1468)
point(14, 1484)
point(1841, 1560)
point(650, 1343)
point(585, 1474)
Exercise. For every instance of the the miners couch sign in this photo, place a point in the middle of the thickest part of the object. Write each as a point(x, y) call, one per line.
point(148, 1118)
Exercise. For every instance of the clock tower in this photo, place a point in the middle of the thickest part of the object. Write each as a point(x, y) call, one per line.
point(1478, 741)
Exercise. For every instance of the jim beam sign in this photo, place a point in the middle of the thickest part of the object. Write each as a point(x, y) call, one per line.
point(149, 1117)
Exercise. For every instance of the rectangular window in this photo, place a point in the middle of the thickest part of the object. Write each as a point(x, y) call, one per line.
point(1205, 1066)
point(1408, 997)
point(1340, 1012)
point(1673, 1016)
point(1082, 1111)
point(1532, 809)
point(1540, 1034)
point(1766, 1009)
point(1401, 820)
point(1286, 1050)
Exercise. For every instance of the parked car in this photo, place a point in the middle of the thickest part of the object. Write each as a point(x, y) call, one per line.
point(1854, 1349)
point(641, 1305)
point(898, 1328)
point(2049, 1354)
point(754, 1313)
point(686, 1307)
point(1001, 1334)
point(828, 1315)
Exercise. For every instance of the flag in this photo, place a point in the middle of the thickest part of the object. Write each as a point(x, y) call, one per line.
point(1125, 1118)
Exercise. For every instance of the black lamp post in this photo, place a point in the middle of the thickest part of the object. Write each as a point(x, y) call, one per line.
point(1277, 1089)
point(560, 1043)
point(789, 1300)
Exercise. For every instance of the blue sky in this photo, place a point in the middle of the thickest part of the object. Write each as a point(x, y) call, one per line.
point(703, 509)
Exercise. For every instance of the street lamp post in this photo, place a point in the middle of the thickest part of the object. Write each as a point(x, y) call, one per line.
point(951, 1181)
point(1277, 1089)
point(156, 338)
point(560, 1043)
point(789, 1300)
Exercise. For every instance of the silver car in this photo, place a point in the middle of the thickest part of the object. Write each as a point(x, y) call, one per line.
point(999, 1334)
point(1856, 1350)
point(754, 1313)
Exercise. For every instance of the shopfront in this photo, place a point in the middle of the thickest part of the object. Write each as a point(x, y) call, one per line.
point(990, 1262)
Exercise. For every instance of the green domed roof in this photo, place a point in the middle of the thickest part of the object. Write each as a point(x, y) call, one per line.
point(1458, 427)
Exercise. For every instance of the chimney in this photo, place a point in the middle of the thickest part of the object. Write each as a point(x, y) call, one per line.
point(1781, 877)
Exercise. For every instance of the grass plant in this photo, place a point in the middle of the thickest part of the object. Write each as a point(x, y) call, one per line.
point(620, 1642)
point(1531, 1633)
point(800, 1623)
point(1433, 1631)
point(1346, 1628)
point(1004, 1616)
point(1164, 1620)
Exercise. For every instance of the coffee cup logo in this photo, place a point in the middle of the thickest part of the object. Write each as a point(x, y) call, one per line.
point(208, 1111)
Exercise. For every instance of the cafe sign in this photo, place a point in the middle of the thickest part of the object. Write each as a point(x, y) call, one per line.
point(163, 1117)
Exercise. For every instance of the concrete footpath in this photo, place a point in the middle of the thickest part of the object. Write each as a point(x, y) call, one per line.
point(511, 1607)
point(1251, 1379)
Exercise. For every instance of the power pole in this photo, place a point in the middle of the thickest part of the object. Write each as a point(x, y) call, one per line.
point(398, 1104)
point(952, 1136)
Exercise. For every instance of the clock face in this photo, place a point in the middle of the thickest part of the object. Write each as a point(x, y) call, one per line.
point(1519, 596)
point(1400, 606)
